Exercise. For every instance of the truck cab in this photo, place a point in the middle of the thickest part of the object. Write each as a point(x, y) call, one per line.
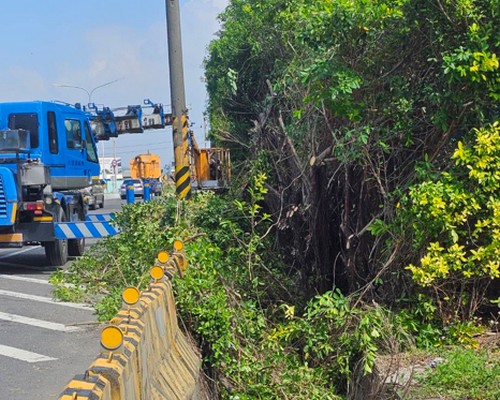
point(59, 136)
point(47, 153)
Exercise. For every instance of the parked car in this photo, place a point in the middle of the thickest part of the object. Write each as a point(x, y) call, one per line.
point(156, 187)
point(138, 188)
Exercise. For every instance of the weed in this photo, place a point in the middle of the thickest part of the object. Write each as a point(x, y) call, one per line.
point(465, 374)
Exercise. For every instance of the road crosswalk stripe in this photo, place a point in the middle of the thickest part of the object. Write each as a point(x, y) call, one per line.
point(38, 322)
point(24, 279)
point(42, 299)
point(23, 355)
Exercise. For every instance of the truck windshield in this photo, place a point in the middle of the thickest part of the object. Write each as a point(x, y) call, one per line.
point(27, 121)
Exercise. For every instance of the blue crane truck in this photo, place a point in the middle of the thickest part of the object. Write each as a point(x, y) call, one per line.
point(47, 154)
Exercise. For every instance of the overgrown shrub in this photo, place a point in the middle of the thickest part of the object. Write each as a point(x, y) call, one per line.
point(116, 262)
point(456, 217)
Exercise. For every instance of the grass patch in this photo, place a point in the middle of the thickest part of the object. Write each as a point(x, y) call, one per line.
point(465, 374)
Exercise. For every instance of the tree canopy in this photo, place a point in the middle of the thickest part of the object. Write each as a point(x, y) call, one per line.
point(347, 105)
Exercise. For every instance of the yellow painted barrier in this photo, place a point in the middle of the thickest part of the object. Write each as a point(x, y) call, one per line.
point(87, 387)
point(146, 356)
point(165, 347)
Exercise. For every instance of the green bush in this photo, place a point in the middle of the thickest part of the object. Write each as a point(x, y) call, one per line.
point(254, 345)
point(457, 218)
point(116, 262)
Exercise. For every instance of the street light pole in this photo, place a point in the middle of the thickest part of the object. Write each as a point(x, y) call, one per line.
point(89, 93)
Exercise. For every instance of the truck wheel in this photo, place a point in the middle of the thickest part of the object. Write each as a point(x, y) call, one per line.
point(76, 247)
point(57, 251)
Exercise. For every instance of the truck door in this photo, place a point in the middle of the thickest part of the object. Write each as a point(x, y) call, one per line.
point(76, 172)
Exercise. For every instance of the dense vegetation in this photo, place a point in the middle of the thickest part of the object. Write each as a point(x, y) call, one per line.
point(358, 112)
point(239, 301)
point(365, 218)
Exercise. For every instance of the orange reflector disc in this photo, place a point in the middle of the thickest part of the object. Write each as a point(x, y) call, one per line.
point(178, 245)
point(157, 273)
point(162, 257)
point(130, 295)
point(111, 338)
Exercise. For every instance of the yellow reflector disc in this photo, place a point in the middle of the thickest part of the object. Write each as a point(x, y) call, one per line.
point(178, 245)
point(111, 338)
point(130, 296)
point(162, 257)
point(157, 273)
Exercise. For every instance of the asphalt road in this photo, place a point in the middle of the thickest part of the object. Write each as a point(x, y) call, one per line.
point(43, 343)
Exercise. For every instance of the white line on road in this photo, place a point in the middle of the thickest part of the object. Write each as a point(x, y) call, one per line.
point(38, 322)
point(19, 252)
point(34, 280)
point(23, 355)
point(44, 300)
point(24, 279)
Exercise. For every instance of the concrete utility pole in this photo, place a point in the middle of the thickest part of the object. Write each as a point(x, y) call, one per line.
point(179, 111)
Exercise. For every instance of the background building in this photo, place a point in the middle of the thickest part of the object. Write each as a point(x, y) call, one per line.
point(111, 172)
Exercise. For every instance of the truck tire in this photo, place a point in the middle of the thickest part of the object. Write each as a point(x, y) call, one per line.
point(57, 251)
point(76, 247)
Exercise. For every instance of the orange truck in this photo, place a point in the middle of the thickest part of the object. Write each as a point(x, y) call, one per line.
point(145, 166)
point(210, 167)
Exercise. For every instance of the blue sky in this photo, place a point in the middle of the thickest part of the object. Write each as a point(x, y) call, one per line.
point(89, 43)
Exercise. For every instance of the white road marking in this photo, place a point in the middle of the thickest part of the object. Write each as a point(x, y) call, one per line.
point(44, 300)
point(24, 279)
point(38, 322)
point(19, 252)
point(23, 355)
point(34, 280)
